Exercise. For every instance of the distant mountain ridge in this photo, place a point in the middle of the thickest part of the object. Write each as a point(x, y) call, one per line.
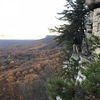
point(7, 43)
point(47, 38)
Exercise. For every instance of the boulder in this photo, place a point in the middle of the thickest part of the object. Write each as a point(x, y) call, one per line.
point(92, 4)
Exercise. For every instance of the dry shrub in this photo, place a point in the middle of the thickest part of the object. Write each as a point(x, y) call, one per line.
point(30, 78)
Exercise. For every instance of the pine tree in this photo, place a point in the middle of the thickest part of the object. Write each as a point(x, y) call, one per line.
point(73, 16)
point(89, 89)
point(68, 87)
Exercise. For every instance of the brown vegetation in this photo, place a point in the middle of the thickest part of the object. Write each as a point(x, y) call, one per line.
point(24, 70)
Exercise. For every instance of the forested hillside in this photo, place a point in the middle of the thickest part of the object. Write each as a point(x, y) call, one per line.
point(25, 66)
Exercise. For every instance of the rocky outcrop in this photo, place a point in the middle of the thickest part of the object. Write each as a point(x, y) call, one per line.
point(89, 24)
point(93, 20)
point(93, 4)
point(96, 22)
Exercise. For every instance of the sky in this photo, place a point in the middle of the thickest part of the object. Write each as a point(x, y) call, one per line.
point(28, 19)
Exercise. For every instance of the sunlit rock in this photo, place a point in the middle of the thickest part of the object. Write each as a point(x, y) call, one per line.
point(88, 24)
point(58, 98)
point(97, 51)
point(80, 77)
point(74, 56)
point(83, 59)
point(96, 22)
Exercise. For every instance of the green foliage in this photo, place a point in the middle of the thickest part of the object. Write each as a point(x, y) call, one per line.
point(54, 87)
point(94, 42)
point(64, 86)
point(74, 16)
point(59, 87)
point(67, 87)
point(90, 87)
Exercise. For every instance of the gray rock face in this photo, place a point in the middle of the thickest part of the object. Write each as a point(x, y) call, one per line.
point(93, 20)
point(92, 4)
point(89, 2)
point(96, 22)
point(88, 24)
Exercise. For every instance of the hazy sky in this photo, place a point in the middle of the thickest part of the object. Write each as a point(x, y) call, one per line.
point(28, 19)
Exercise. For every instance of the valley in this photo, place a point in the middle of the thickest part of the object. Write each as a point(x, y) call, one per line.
point(25, 66)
